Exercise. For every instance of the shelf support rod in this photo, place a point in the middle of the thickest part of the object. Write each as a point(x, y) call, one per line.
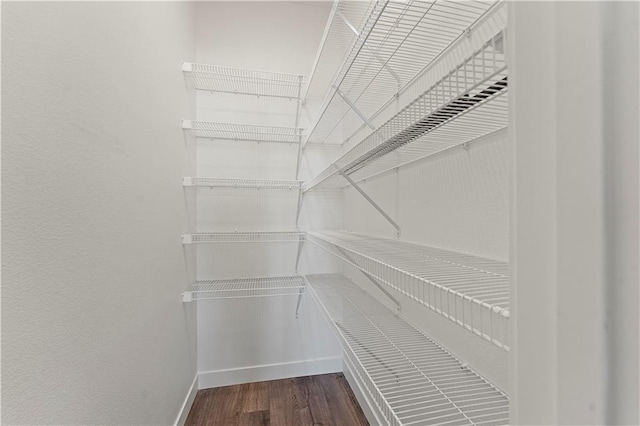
point(298, 101)
point(375, 55)
point(354, 108)
point(302, 291)
point(370, 200)
point(299, 252)
point(300, 196)
point(299, 300)
point(299, 156)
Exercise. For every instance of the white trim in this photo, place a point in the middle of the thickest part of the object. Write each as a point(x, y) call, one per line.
point(370, 412)
point(188, 402)
point(259, 373)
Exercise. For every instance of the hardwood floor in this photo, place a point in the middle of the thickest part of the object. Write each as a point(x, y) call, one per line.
point(312, 400)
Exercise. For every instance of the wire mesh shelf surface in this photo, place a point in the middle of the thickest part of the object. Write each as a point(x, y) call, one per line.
point(217, 78)
point(471, 291)
point(244, 288)
point(243, 132)
point(483, 120)
point(243, 237)
point(345, 17)
point(210, 182)
point(466, 93)
point(397, 41)
point(410, 378)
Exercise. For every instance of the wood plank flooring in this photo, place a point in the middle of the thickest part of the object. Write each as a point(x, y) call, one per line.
point(312, 400)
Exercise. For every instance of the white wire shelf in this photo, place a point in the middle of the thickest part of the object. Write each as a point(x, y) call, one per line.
point(210, 182)
point(242, 132)
point(244, 288)
point(244, 237)
point(485, 119)
point(410, 378)
point(471, 291)
point(215, 78)
point(336, 40)
point(464, 105)
point(398, 40)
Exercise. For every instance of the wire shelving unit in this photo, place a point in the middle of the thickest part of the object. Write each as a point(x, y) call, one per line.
point(411, 379)
point(464, 105)
point(243, 132)
point(244, 237)
point(239, 288)
point(397, 41)
point(211, 182)
point(471, 291)
point(215, 78)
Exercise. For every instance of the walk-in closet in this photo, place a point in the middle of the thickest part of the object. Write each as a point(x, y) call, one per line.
point(385, 212)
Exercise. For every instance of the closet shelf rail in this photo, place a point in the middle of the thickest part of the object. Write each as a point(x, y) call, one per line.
point(474, 83)
point(471, 291)
point(244, 288)
point(242, 132)
point(394, 45)
point(244, 237)
point(215, 78)
point(410, 378)
point(211, 182)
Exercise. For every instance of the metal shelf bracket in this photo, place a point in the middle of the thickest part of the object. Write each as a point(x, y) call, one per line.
point(299, 208)
point(299, 253)
point(354, 108)
point(370, 200)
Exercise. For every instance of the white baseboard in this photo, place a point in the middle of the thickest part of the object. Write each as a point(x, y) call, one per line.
point(371, 412)
point(188, 402)
point(260, 373)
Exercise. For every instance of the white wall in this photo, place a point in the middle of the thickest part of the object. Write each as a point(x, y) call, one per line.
point(257, 339)
point(458, 200)
point(278, 36)
point(94, 331)
point(575, 213)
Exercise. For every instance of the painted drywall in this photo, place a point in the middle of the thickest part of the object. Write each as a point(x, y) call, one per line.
point(458, 200)
point(94, 330)
point(575, 213)
point(256, 339)
point(280, 36)
point(622, 209)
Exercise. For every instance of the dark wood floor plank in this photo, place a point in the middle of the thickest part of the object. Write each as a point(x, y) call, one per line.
point(256, 397)
point(254, 418)
point(310, 400)
point(320, 411)
point(354, 405)
point(302, 385)
point(227, 406)
point(344, 406)
point(218, 406)
point(284, 406)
